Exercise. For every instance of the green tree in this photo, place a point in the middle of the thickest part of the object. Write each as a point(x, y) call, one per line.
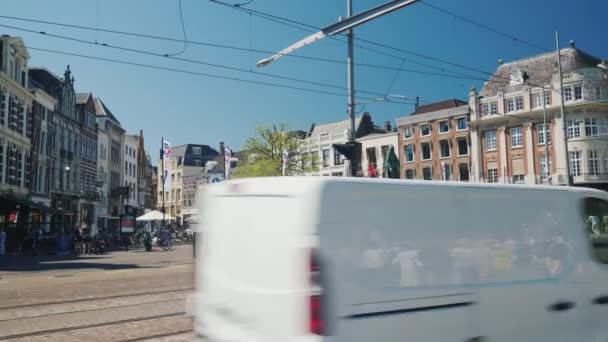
point(264, 154)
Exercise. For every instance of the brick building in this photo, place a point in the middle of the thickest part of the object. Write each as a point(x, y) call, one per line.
point(434, 142)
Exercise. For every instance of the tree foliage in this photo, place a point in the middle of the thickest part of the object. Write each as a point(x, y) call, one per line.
point(264, 153)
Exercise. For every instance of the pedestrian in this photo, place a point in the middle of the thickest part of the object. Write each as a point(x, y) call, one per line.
point(2, 241)
point(87, 241)
point(37, 234)
point(77, 241)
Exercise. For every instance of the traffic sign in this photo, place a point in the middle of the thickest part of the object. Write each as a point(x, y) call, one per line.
point(215, 180)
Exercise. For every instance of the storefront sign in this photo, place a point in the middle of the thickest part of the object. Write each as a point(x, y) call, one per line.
point(127, 224)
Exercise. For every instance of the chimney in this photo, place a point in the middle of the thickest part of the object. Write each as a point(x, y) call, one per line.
point(221, 148)
point(417, 106)
point(572, 45)
point(501, 62)
point(387, 126)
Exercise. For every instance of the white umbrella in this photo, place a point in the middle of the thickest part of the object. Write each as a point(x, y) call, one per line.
point(154, 216)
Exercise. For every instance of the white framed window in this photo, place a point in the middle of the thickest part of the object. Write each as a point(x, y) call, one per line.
point(591, 127)
point(425, 130)
point(493, 108)
point(492, 175)
point(427, 173)
point(603, 127)
point(463, 146)
point(517, 139)
point(461, 124)
point(444, 148)
point(490, 140)
point(575, 163)
point(407, 132)
point(567, 94)
point(408, 151)
point(196, 150)
point(540, 128)
point(325, 157)
point(425, 151)
point(444, 126)
point(548, 98)
point(573, 129)
point(578, 92)
point(510, 105)
point(593, 162)
point(519, 103)
point(537, 100)
point(545, 167)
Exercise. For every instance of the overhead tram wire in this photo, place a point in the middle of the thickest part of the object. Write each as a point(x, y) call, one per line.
point(231, 47)
point(185, 59)
point(293, 23)
point(194, 73)
point(312, 29)
point(485, 27)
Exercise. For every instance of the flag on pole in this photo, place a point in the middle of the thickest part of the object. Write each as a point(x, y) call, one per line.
point(166, 162)
point(285, 160)
point(227, 159)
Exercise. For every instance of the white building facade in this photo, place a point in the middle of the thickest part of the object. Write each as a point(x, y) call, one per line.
point(510, 142)
point(374, 149)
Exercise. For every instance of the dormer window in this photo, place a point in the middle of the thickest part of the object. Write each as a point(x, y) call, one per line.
point(517, 77)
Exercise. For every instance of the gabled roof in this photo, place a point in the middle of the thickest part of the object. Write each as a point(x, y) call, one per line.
point(102, 110)
point(433, 107)
point(82, 98)
point(539, 69)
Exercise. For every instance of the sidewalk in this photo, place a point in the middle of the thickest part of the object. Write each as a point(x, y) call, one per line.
point(11, 265)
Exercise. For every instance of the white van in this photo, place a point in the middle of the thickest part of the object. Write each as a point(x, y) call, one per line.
point(342, 259)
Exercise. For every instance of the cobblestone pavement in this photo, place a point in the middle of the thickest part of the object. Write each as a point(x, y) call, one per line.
point(142, 302)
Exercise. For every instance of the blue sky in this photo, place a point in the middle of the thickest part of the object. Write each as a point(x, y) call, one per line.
point(191, 109)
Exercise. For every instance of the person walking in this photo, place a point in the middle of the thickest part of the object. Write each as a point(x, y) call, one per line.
point(37, 234)
point(2, 241)
point(87, 239)
point(77, 241)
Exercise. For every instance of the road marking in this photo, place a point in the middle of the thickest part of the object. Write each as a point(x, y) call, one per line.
point(119, 271)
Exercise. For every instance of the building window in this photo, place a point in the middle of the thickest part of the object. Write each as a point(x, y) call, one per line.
point(492, 175)
point(338, 158)
point(196, 150)
point(384, 151)
point(337, 174)
point(591, 127)
point(593, 162)
point(573, 129)
point(371, 156)
point(578, 92)
point(427, 173)
point(540, 128)
point(314, 155)
point(537, 100)
point(426, 151)
point(606, 162)
point(490, 108)
point(425, 130)
point(545, 167)
point(575, 163)
point(518, 179)
point(603, 127)
point(198, 163)
point(444, 126)
point(493, 108)
point(517, 139)
point(598, 93)
point(567, 94)
point(410, 174)
point(461, 124)
point(444, 148)
point(407, 132)
point(447, 172)
point(463, 170)
point(510, 105)
point(490, 140)
point(325, 155)
point(519, 103)
point(408, 153)
point(463, 146)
